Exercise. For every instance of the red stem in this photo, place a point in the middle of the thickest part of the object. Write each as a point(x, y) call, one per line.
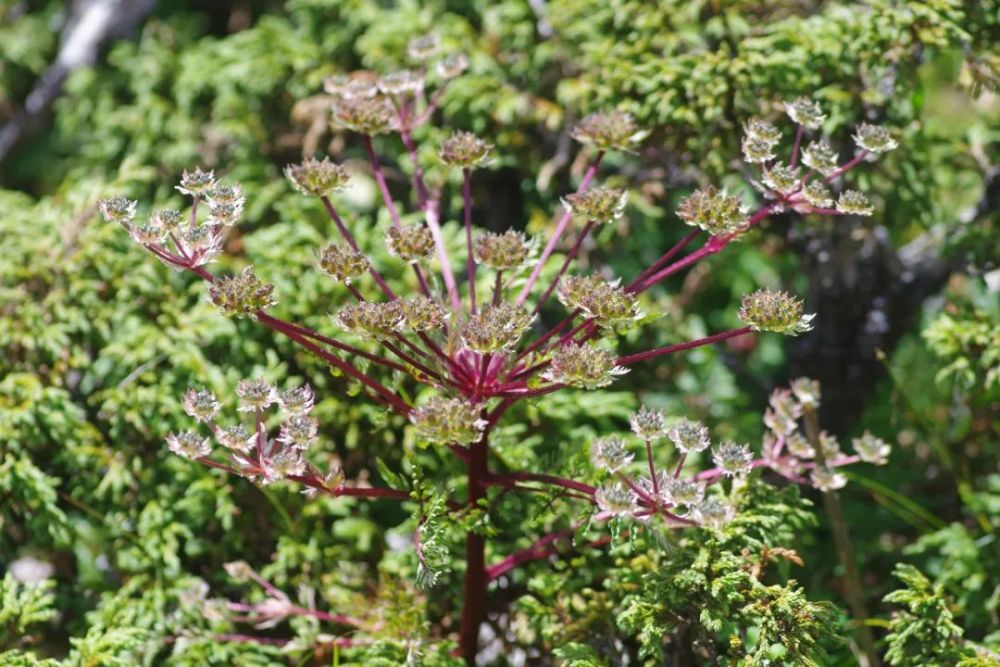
point(666, 257)
point(669, 349)
point(470, 262)
point(795, 148)
point(474, 599)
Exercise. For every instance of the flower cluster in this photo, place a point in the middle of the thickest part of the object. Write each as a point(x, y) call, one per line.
point(447, 421)
point(410, 243)
point(609, 131)
point(607, 303)
point(598, 204)
point(759, 140)
point(241, 294)
point(380, 320)
point(317, 178)
point(342, 263)
point(252, 452)
point(714, 211)
point(780, 312)
point(466, 150)
point(584, 366)
point(496, 328)
point(501, 251)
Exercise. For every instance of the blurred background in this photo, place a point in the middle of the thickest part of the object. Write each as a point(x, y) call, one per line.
point(98, 342)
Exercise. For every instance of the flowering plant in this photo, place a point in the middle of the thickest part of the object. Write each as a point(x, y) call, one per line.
point(473, 337)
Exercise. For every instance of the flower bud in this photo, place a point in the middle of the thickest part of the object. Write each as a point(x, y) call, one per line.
point(496, 328)
point(350, 87)
point(598, 204)
point(239, 570)
point(771, 310)
point(874, 138)
point(421, 313)
point(202, 243)
point(410, 243)
point(610, 454)
point(147, 234)
point(197, 182)
point(501, 251)
point(241, 294)
point(444, 421)
point(872, 449)
point(297, 400)
point(817, 195)
point(605, 302)
point(714, 513)
point(714, 211)
point(237, 438)
point(583, 366)
point(616, 499)
point(364, 115)
point(315, 178)
point(782, 417)
point(819, 156)
point(827, 479)
point(781, 178)
point(225, 205)
point(762, 130)
point(733, 459)
point(286, 463)
point(298, 432)
point(255, 395)
point(608, 131)
point(689, 436)
point(189, 445)
point(805, 112)
point(799, 446)
point(118, 209)
point(343, 263)
point(464, 149)
point(648, 424)
point(853, 202)
point(200, 404)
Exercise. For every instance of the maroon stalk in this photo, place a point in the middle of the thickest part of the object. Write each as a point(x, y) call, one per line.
point(474, 599)
point(470, 262)
point(670, 349)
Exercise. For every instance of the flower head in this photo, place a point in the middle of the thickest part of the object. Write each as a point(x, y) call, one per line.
point(756, 150)
point(371, 319)
point(241, 294)
point(819, 156)
point(189, 445)
point(255, 395)
point(874, 138)
point(648, 424)
point(598, 204)
point(781, 178)
point(237, 438)
point(686, 492)
point(762, 130)
point(444, 421)
point(286, 463)
point(605, 302)
point(610, 453)
point(829, 444)
point(714, 211)
point(343, 263)
point(421, 313)
point(496, 328)
point(817, 195)
point(714, 512)
point(807, 391)
point(872, 449)
point(607, 131)
point(452, 65)
point(197, 182)
point(689, 436)
point(782, 417)
point(169, 219)
point(583, 366)
point(401, 82)
point(298, 432)
point(315, 178)
point(501, 251)
point(364, 115)
point(200, 404)
point(410, 243)
point(733, 459)
point(203, 243)
point(805, 112)
point(799, 446)
point(616, 498)
point(423, 47)
point(853, 202)
point(225, 205)
point(297, 400)
point(771, 310)
point(118, 209)
point(146, 234)
point(466, 150)
point(827, 479)
point(350, 87)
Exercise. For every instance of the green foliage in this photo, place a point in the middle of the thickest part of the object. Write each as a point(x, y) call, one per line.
point(22, 606)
